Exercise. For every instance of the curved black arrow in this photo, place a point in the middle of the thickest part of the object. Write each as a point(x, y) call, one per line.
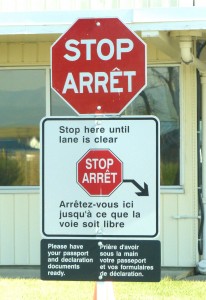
point(143, 190)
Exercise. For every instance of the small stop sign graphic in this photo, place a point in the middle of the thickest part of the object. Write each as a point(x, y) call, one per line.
point(99, 172)
point(98, 66)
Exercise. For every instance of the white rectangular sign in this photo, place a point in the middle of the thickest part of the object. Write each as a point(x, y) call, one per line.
point(100, 177)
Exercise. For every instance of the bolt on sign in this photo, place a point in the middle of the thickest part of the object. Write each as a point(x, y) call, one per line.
point(98, 66)
point(100, 177)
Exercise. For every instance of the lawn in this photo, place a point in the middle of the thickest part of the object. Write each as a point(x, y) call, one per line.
point(33, 289)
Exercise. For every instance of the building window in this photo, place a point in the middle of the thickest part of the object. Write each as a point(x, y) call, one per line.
point(22, 105)
point(59, 107)
point(161, 98)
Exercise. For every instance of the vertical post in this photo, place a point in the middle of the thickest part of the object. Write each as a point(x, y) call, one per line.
point(103, 291)
point(202, 263)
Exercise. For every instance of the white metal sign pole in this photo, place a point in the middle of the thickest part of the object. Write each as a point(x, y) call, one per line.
point(104, 291)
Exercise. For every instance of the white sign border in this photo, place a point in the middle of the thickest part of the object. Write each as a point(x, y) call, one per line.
point(96, 118)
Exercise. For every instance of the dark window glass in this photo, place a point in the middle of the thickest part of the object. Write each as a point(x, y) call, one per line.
point(59, 107)
point(161, 98)
point(22, 105)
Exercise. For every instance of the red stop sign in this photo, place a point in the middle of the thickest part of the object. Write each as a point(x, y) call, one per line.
point(99, 172)
point(98, 66)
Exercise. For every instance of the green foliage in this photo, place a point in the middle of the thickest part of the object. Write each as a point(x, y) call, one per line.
point(165, 289)
point(35, 289)
point(169, 173)
point(10, 171)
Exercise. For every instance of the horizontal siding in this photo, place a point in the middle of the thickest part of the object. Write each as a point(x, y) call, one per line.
point(20, 213)
point(7, 224)
point(19, 54)
point(38, 54)
point(55, 5)
point(19, 229)
point(169, 230)
point(178, 233)
point(187, 231)
point(179, 215)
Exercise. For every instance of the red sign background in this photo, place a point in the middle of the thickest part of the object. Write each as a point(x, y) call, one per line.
point(99, 172)
point(98, 66)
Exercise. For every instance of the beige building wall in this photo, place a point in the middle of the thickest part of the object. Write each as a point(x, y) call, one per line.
point(54, 5)
point(20, 220)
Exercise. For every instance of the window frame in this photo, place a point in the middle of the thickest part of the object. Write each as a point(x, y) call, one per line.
point(36, 189)
point(24, 189)
point(176, 189)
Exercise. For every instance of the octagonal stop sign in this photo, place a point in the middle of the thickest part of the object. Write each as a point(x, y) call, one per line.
point(99, 172)
point(98, 66)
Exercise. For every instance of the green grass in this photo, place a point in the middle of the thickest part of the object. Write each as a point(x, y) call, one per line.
point(30, 289)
